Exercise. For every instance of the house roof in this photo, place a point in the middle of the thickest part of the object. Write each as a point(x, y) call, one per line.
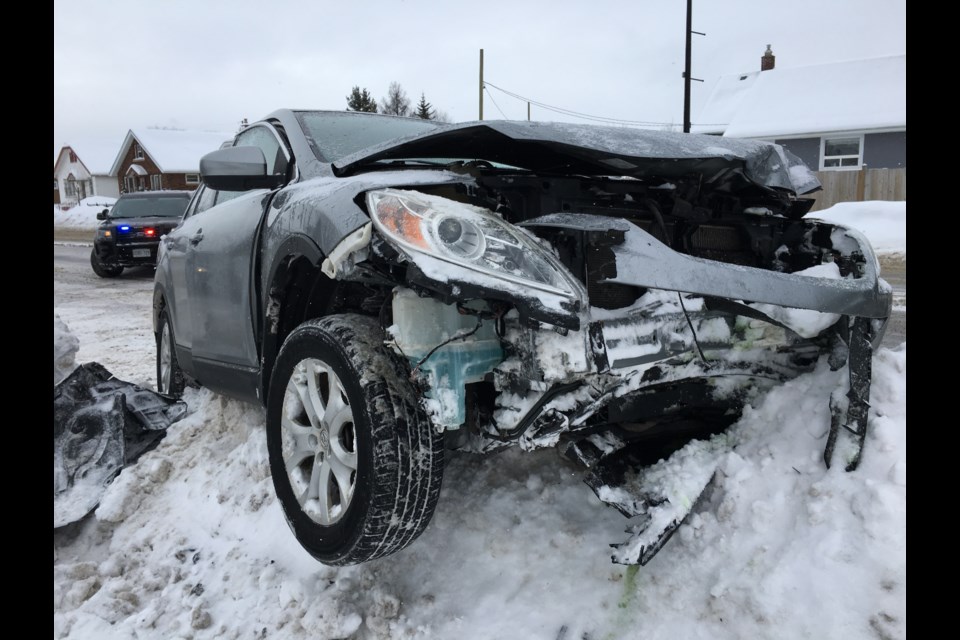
point(96, 154)
point(854, 95)
point(172, 150)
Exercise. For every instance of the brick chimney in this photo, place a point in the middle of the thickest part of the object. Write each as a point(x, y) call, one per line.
point(768, 60)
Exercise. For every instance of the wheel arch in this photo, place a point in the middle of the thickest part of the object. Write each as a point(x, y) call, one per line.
point(293, 276)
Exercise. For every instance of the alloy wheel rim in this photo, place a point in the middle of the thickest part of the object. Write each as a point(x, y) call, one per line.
point(318, 441)
point(166, 359)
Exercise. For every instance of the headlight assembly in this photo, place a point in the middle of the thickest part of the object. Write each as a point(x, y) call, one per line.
point(469, 237)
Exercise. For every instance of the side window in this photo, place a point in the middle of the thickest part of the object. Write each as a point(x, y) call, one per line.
point(274, 152)
point(202, 201)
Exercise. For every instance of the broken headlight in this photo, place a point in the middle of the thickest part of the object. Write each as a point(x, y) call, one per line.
point(466, 236)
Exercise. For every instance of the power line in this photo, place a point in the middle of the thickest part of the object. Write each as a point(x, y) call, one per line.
point(587, 116)
point(571, 112)
point(495, 103)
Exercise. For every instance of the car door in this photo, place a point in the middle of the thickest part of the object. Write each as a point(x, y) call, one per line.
point(174, 264)
point(221, 274)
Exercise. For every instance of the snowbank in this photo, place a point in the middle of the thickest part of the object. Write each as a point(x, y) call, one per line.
point(83, 215)
point(190, 542)
point(65, 346)
point(884, 223)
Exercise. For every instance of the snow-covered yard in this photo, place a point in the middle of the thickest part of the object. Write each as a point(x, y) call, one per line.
point(82, 215)
point(191, 543)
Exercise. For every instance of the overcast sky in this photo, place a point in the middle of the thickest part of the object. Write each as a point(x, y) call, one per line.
point(207, 65)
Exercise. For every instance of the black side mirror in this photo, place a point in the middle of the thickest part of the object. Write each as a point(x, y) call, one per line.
point(103, 214)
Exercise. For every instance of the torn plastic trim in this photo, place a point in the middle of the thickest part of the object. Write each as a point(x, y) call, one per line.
point(348, 252)
point(644, 261)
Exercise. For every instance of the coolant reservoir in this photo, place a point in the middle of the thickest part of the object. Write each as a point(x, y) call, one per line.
point(419, 325)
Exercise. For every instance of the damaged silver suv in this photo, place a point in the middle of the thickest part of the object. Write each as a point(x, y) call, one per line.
point(389, 288)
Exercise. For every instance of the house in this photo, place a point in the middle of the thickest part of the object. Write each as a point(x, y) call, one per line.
point(840, 116)
point(160, 159)
point(82, 169)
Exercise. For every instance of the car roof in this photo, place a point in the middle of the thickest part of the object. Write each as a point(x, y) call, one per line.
point(156, 194)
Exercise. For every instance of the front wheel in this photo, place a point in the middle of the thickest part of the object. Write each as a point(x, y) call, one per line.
point(170, 379)
point(101, 269)
point(356, 464)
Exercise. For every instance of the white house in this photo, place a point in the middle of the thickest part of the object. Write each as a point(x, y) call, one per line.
point(82, 169)
point(840, 116)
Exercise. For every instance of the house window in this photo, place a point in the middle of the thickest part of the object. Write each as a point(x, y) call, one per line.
point(193, 178)
point(129, 184)
point(54, 184)
point(841, 153)
point(155, 183)
point(73, 156)
point(137, 151)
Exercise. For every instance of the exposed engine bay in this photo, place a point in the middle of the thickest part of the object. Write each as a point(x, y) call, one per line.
point(599, 313)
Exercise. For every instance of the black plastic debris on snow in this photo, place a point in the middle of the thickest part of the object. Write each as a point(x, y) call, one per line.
point(100, 425)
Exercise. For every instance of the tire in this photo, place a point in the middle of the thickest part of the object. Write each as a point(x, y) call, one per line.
point(378, 454)
point(170, 380)
point(103, 270)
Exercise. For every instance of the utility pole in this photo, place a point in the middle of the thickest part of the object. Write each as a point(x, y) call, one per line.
point(481, 84)
point(528, 112)
point(686, 69)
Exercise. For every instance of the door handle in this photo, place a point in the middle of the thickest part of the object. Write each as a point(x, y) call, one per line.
point(197, 237)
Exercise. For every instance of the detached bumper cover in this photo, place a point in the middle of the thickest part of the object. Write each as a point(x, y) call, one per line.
point(100, 425)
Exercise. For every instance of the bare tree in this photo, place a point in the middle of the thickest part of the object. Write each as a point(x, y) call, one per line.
point(396, 103)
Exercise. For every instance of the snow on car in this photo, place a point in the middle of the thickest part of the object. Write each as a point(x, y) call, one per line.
point(388, 289)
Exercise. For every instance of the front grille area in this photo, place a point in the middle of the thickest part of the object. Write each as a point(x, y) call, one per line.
point(601, 265)
point(589, 255)
point(713, 242)
point(137, 234)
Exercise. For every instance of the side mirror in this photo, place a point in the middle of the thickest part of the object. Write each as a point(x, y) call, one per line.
point(238, 169)
point(103, 214)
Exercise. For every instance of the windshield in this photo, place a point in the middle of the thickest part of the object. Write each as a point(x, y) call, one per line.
point(143, 206)
point(334, 134)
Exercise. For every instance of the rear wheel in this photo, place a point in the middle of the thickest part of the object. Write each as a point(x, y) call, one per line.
point(356, 464)
point(169, 375)
point(101, 269)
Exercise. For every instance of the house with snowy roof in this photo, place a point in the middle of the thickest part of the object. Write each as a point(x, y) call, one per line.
point(82, 169)
point(841, 116)
point(162, 159)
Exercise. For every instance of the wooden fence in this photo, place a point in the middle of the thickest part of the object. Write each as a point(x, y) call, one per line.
point(856, 186)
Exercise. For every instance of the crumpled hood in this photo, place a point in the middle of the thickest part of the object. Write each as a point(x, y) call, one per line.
point(554, 147)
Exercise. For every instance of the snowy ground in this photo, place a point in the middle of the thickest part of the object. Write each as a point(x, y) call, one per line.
point(190, 542)
point(82, 215)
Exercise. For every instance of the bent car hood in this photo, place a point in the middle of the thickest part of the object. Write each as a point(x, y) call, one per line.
point(553, 147)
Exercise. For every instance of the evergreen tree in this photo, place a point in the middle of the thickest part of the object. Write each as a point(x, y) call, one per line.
point(396, 103)
point(361, 100)
point(424, 109)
